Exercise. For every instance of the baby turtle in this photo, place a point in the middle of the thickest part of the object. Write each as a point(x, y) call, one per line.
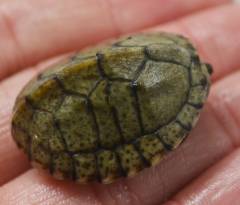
point(112, 111)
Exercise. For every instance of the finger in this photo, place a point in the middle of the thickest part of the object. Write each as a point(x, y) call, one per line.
point(223, 147)
point(35, 188)
point(213, 42)
point(217, 186)
point(198, 153)
point(12, 160)
point(34, 30)
point(8, 164)
point(10, 88)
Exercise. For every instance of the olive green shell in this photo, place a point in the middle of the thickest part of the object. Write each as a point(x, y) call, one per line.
point(112, 111)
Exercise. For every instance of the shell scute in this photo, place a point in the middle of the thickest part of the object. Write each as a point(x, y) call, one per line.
point(172, 135)
point(123, 102)
point(151, 148)
point(161, 85)
point(109, 166)
point(80, 77)
point(130, 158)
point(121, 62)
point(85, 167)
point(46, 96)
point(169, 53)
point(113, 110)
point(76, 124)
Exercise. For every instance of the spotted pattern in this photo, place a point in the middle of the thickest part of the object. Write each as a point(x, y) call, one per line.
point(100, 117)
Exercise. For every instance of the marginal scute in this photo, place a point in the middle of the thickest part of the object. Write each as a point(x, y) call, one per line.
point(112, 110)
point(197, 76)
point(85, 167)
point(108, 166)
point(47, 96)
point(53, 69)
point(151, 148)
point(198, 95)
point(22, 111)
point(81, 77)
point(188, 116)
point(168, 53)
point(21, 138)
point(131, 160)
point(144, 40)
point(172, 135)
point(181, 41)
point(62, 164)
point(122, 62)
point(20, 127)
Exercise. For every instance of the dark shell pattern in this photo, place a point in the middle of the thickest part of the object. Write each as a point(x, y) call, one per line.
point(111, 112)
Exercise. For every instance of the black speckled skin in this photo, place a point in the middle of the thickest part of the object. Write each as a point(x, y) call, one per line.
point(102, 115)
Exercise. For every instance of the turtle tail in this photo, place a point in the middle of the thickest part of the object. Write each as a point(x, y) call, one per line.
point(209, 68)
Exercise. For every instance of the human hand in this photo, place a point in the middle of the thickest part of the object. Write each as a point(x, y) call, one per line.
point(203, 170)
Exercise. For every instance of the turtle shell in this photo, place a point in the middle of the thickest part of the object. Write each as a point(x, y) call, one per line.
point(114, 110)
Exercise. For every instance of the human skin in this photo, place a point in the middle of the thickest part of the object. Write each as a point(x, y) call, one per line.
point(203, 170)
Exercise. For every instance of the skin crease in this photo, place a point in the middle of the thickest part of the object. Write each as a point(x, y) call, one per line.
point(219, 185)
point(18, 83)
point(21, 37)
point(220, 120)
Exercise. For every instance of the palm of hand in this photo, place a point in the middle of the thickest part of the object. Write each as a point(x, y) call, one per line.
point(204, 170)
